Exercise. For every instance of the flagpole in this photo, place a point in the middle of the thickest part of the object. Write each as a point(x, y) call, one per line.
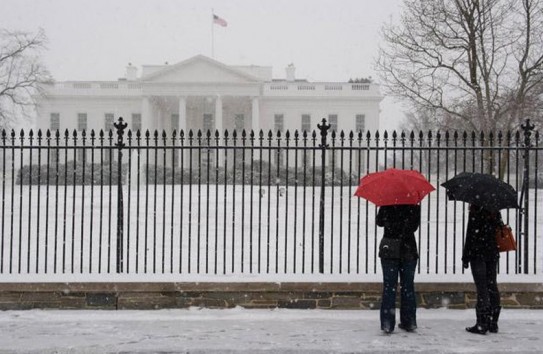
point(212, 35)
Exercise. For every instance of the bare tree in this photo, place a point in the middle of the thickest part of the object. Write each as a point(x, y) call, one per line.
point(21, 73)
point(420, 120)
point(476, 63)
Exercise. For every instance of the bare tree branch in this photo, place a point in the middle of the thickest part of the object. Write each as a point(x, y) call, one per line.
point(21, 72)
point(479, 62)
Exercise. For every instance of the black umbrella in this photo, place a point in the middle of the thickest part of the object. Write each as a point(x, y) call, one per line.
point(481, 189)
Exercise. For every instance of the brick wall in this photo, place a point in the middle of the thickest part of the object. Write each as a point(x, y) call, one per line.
point(247, 295)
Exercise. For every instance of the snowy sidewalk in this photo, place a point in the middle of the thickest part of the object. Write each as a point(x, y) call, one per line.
point(259, 331)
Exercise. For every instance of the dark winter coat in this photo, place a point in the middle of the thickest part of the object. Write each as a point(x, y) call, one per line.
point(401, 222)
point(480, 240)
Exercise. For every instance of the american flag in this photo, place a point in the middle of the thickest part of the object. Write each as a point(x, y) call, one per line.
point(219, 21)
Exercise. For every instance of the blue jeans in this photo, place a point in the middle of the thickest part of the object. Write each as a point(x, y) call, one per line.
point(408, 308)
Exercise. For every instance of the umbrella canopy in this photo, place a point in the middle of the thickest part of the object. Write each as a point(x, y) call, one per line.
point(394, 187)
point(481, 189)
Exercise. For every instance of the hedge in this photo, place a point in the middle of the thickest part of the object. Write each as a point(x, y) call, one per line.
point(263, 173)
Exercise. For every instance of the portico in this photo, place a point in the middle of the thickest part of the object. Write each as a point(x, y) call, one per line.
point(199, 93)
point(194, 112)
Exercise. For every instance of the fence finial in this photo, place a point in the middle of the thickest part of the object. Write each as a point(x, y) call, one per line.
point(527, 128)
point(323, 127)
point(120, 126)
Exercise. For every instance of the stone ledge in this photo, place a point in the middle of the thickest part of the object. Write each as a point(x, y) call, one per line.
point(249, 295)
point(374, 287)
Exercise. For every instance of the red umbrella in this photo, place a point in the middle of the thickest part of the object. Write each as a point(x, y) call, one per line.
point(394, 187)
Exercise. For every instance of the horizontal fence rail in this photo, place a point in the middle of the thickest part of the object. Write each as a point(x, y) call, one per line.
point(243, 202)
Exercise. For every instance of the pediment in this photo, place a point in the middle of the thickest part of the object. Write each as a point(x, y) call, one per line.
point(199, 69)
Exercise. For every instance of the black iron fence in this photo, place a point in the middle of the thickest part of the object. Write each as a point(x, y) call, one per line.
point(243, 202)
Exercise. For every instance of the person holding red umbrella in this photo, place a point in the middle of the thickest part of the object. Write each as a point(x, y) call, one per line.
point(398, 193)
point(399, 255)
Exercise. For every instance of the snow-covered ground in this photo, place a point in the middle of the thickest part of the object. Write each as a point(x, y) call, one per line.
point(259, 331)
point(190, 230)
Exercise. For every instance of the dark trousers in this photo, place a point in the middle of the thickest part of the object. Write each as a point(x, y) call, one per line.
point(484, 276)
point(408, 303)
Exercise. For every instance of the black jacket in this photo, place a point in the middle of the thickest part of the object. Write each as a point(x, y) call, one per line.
point(401, 222)
point(481, 234)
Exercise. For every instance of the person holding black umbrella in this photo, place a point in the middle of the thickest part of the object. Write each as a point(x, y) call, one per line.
point(481, 253)
point(487, 195)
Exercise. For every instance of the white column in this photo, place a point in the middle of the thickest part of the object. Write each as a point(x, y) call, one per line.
point(146, 114)
point(255, 115)
point(183, 114)
point(218, 115)
point(147, 121)
point(158, 122)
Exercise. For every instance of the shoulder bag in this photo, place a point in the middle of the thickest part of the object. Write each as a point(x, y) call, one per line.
point(390, 247)
point(505, 239)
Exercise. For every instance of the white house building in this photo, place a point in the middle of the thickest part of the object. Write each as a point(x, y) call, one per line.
point(202, 93)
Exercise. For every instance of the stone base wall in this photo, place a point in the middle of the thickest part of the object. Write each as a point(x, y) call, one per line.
point(248, 295)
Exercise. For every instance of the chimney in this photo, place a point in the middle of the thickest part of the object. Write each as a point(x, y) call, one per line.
point(290, 69)
point(131, 72)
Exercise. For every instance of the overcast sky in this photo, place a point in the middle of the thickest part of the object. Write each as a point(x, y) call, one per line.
point(327, 40)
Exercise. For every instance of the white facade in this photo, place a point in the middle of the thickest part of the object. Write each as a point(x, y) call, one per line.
point(202, 93)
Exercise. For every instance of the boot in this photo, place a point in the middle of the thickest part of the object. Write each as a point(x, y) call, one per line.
point(481, 327)
point(494, 316)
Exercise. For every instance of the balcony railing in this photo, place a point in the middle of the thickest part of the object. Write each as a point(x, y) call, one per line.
point(332, 89)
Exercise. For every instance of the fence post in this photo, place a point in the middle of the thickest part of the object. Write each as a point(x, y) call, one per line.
point(120, 126)
point(527, 128)
point(323, 127)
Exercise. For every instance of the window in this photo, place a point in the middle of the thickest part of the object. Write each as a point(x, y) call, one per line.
point(55, 121)
point(279, 125)
point(332, 120)
point(306, 127)
point(239, 122)
point(360, 125)
point(279, 122)
point(81, 125)
point(360, 122)
point(175, 121)
point(306, 123)
point(208, 157)
point(209, 123)
point(55, 125)
point(81, 121)
point(136, 121)
point(109, 117)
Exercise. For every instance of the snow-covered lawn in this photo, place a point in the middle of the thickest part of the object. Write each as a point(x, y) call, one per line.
point(217, 230)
